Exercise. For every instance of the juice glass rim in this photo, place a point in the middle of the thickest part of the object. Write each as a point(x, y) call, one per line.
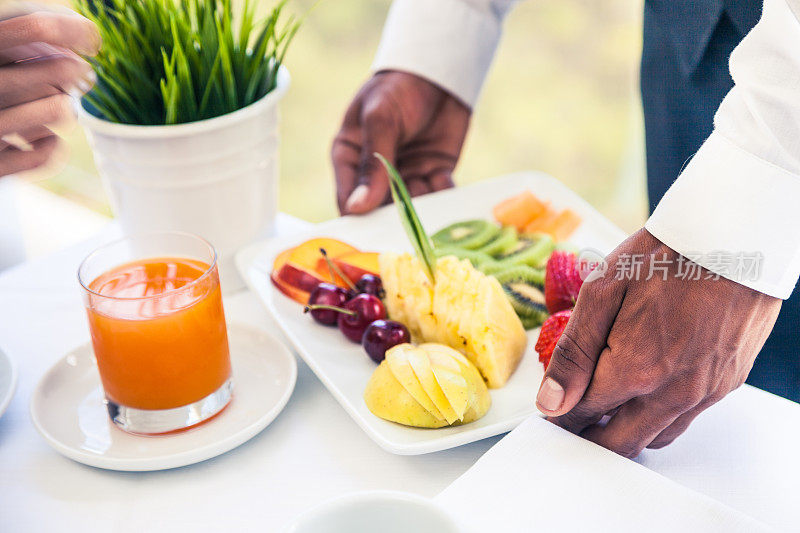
point(102, 247)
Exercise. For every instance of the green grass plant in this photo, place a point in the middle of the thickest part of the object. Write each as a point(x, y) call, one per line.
point(168, 62)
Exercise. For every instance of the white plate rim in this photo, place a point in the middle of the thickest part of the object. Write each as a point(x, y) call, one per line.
point(249, 267)
point(5, 401)
point(184, 458)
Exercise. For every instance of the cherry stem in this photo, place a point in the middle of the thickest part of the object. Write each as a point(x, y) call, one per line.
point(329, 308)
point(330, 265)
point(334, 268)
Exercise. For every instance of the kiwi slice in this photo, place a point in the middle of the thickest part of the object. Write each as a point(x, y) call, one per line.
point(531, 322)
point(505, 241)
point(492, 267)
point(477, 258)
point(531, 249)
point(524, 287)
point(469, 235)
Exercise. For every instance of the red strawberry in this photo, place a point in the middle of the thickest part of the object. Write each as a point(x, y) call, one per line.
point(551, 331)
point(562, 281)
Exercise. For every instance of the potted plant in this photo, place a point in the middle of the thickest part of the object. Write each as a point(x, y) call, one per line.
point(183, 120)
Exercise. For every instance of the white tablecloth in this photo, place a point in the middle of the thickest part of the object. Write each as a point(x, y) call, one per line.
point(744, 451)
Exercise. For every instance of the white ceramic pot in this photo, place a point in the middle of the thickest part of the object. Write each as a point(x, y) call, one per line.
point(216, 178)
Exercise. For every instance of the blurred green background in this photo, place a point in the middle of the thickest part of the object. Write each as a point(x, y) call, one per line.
point(562, 97)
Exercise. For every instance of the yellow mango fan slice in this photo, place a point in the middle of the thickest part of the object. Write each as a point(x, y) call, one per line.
point(455, 374)
point(429, 386)
point(419, 361)
point(397, 360)
point(464, 309)
point(385, 397)
point(455, 389)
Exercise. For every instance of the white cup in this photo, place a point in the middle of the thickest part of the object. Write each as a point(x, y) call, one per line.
point(376, 511)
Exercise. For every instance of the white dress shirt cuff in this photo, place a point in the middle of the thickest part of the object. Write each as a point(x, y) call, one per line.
point(448, 42)
point(729, 208)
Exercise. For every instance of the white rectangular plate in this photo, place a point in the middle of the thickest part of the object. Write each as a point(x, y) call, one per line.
point(344, 368)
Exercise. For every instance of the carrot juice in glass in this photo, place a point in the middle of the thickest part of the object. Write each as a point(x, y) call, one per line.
point(158, 331)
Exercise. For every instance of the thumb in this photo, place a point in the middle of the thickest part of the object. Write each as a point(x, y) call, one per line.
point(574, 359)
point(381, 135)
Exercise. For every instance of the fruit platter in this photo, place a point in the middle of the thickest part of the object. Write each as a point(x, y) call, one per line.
point(423, 318)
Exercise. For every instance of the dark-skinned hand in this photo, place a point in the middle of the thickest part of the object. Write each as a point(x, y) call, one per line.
point(652, 353)
point(416, 125)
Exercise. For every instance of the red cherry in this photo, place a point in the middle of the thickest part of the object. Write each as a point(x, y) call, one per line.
point(358, 313)
point(382, 335)
point(370, 284)
point(321, 301)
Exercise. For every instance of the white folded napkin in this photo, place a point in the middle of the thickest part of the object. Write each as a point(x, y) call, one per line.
point(542, 478)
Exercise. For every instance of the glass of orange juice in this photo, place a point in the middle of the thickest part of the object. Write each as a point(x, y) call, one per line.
point(158, 330)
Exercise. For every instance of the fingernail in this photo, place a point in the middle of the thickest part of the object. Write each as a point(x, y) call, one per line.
point(86, 83)
point(357, 197)
point(551, 396)
point(17, 142)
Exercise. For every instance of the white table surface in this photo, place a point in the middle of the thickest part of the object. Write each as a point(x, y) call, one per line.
point(745, 451)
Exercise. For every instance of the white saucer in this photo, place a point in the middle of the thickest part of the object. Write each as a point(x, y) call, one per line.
point(67, 409)
point(8, 381)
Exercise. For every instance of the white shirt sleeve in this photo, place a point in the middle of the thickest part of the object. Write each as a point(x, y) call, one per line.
point(739, 196)
point(449, 42)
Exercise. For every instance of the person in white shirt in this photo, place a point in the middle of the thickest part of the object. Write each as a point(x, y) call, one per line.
point(652, 352)
point(39, 69)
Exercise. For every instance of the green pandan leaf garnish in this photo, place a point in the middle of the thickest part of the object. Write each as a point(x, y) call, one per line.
point(410, 219)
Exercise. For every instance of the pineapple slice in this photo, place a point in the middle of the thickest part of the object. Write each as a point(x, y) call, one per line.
point(464, 309)
point(391, 298)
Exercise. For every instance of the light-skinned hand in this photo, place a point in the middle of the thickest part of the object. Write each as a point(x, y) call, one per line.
point(39, 69)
